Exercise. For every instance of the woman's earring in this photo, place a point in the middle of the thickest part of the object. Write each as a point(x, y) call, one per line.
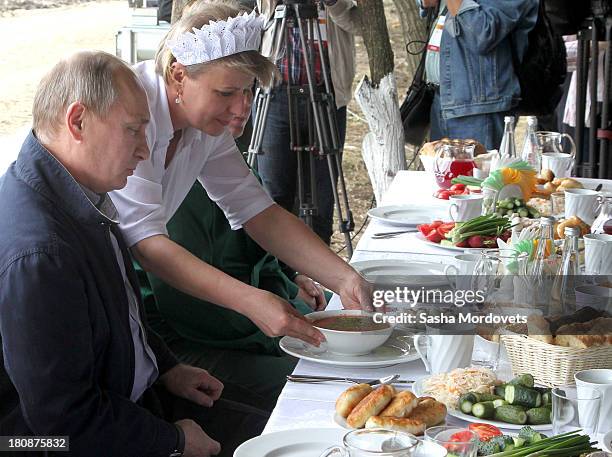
point(177, 100)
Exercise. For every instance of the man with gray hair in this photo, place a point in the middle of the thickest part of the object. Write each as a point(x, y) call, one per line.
point(78, 359)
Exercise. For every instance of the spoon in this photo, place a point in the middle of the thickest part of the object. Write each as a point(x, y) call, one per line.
point(383, 235)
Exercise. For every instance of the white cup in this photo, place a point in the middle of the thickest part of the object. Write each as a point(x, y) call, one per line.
point(598, 254)
point(584, 203)
point(560, 163)
point(445, 351)
point(459, 274)
point(600, 379)
point(466, 207)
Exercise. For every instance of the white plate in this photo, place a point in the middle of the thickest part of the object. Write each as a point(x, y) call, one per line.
point(402, 272)
point(397, 349)
point(417, 388)
point(403, 215)
point(307, 442)
point(311, 442)
point(606, 441)
point(419, 236)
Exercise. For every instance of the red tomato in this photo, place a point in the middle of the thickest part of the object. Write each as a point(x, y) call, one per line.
point(463, 437)
point(466, 192)
point(485, 431)
point(436, 224)
point(445, 194)
point(424, 229)
point(441, 231)
point(434, 236)
point(447, 227)
point(458, 186)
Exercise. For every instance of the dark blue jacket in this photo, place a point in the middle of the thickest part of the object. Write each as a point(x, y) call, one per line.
point(66, 341)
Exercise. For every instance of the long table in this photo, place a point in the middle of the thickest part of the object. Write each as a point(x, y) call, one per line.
point(312, 405)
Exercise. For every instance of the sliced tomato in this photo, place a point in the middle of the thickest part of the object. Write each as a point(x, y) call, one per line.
point(436, 224)
point(458, 186)
point(485, 431)
point(424, 229)
point(463, 437)
point(434, 236)
point(447, 227)
point(444, 195)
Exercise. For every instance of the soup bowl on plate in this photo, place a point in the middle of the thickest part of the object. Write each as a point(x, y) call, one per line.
point(351, 332)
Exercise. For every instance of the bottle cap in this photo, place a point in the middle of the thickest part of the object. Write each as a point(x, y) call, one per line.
point(572, 231)
point(547, 220)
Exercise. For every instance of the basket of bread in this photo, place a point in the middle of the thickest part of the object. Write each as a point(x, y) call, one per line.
point(362, 406)
point(568, 344)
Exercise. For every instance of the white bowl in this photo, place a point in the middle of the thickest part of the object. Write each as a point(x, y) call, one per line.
point(606, 442)
point(347, 342)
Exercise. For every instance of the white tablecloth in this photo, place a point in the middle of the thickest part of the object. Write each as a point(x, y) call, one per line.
point(307, 405)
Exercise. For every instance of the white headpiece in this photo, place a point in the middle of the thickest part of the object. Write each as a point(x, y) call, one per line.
point(218, 39)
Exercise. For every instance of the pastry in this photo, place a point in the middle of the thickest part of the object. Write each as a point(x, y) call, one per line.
point(370, 406)
point(407, 425)
point(350, 398)
point(429, 411)
point(401, 405)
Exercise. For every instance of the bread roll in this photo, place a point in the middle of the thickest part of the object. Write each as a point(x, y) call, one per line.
point(403, 424)
point(370, 406)
point(401, 405)
point(431, 412)
point(538, 328)
point(547, 175)
point(351, 398)
point(569, 183)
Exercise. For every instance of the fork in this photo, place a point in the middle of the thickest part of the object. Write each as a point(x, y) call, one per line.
point(392, 379)
point(384, 235)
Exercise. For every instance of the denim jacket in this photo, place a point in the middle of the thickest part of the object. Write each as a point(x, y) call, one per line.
point(476, 70)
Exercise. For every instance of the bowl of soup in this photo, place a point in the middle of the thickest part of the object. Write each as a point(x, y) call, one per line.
point(351, 332)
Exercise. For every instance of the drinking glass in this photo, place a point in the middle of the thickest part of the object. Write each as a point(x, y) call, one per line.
point(557, 200)
point(489, 200)
point(459, 442)
point(571, 411)
point(375, 442)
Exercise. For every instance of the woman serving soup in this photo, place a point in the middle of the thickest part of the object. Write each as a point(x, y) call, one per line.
point(202, 73)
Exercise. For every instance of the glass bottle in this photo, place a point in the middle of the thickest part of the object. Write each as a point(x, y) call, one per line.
point(531, 149)
point(507, 149)
point(543, 266)
point(567, 278)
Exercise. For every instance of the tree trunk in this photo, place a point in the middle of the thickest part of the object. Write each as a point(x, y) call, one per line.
point(177, 9)
point(383, 146)
point(376, 39)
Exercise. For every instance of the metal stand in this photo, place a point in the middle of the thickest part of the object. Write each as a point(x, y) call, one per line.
point(598, 164)
point(322, 134)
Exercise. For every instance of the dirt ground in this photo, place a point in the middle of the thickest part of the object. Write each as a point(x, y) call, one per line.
point(36, 37)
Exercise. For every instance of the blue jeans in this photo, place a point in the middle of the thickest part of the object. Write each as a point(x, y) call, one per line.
point(487, 129)
point(277, 164)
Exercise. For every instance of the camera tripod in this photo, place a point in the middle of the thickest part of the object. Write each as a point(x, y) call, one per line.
point(597, 27)
point(322, 138)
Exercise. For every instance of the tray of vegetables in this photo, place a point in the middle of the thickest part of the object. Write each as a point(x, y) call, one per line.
point(481, 232)
point(511, 207)
point(530, 442)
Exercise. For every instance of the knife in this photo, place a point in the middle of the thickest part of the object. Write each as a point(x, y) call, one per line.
point(313, 378)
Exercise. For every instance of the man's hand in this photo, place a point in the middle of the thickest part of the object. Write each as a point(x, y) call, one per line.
point(356, 293)
point(192, 383)
point(197, 442)
point(276, 317)
point(310, 292)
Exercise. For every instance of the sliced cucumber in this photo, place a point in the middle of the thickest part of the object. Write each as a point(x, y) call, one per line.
point(484, 410)
point(523, 396)
point(539, 416)
point(499, 402)
point(523, 380)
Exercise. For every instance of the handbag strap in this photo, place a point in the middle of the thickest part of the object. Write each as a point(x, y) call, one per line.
point(432, 14)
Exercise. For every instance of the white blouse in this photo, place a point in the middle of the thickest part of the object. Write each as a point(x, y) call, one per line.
point(153, 193)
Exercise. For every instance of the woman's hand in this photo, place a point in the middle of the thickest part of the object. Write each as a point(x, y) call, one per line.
point(275, 317)
point(356, 293)
point(310, 292)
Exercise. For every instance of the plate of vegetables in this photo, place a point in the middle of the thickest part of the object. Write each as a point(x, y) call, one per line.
point(481, 232)
point(511, 405)
point(528, 442)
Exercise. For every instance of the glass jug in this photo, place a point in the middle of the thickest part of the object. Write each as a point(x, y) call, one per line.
point(375, 442)
point(453, 158)
point(555, 156)
point(603, 222)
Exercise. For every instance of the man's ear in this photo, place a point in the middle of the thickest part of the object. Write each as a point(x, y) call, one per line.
point(75, 115)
